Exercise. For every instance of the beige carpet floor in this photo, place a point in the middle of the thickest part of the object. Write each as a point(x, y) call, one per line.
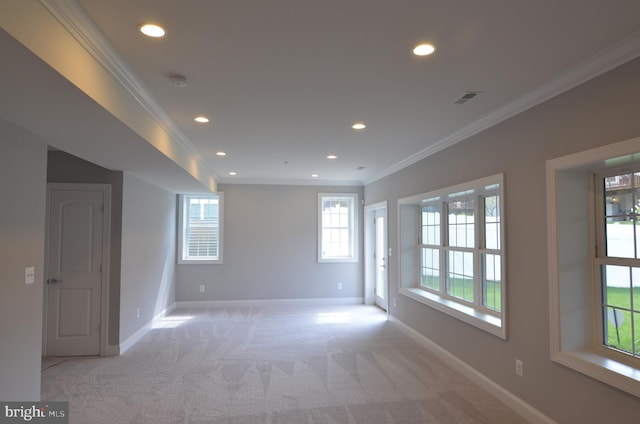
point(271, 365)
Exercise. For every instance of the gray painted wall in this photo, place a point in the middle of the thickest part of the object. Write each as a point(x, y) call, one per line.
point(270, 249)
point(602, 111)
point(65, 168)
point(148, 253)
point(140, 276)
point(23, 164)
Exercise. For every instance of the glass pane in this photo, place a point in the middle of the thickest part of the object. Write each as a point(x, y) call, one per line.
point(335, 242)
point(461, 223)
point(491, 282)
point(635, 288)
point(492, 222)
point(430, 268)
point(460, 275)
point(621, 291)
point(619, 329)
point(202, 231)
point(620, 215)
point(636, 333)
point(431, 225)
point(337, 218)
point(617, 286)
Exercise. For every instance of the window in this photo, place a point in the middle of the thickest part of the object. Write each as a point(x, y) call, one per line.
point(594, 263)
point(618, 259)
point(456, 234)
point(200, 238)
point(337, 224)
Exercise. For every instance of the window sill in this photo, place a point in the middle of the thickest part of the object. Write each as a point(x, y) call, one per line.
point(337, 260)
point(597, 365)
point(199, 262)
point(467, 314)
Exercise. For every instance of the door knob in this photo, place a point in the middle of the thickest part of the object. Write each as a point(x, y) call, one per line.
point(53, 281)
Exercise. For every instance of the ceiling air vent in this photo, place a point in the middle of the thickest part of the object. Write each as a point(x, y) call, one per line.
point(468, 95)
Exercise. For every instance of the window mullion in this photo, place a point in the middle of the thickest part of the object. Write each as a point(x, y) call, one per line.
point(478, 293)
point(444, 241)
point(459, 250)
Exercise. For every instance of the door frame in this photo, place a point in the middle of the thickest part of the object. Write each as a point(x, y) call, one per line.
point(106, 246)
point(369, 249)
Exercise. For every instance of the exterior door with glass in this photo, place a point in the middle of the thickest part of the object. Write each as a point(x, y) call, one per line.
point(380, 257)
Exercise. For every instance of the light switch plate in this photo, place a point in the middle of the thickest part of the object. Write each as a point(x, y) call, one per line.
point(29, 275)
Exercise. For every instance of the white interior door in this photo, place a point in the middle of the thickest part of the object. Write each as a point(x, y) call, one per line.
point(74, 267)
point(380, 257)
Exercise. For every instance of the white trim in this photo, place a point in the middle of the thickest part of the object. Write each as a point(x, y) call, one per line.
point(407, 257)
point(80, 26)
point(369, 261)
point(604, 61)
point(135, 337)
point(182, 215)
point(141, 332)
point(521, 407)
point(582, 354)
point(353, 228)
point(292, 181)
point(486, 322)
point(104, 348)
point(112, 350)
point(269, 302)
point(75, 20)
point(106, 265)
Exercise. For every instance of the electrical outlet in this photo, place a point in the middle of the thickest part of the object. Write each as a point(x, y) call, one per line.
point(519, 368)
point(339, 286)
point(394, 302)
point(201, 288)
point(29, 275)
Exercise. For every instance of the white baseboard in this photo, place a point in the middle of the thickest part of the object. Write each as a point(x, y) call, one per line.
point(112, 350)
point(269, 302)
point(135, 337)
point(521, 407)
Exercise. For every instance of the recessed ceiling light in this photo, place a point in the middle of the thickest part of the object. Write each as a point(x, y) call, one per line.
point(201, 119)
point(314, 175)
point(233, 173)
point(332, 157)
point(424, 49)
point(152, 30)
point(221, 154)
point(359, 126)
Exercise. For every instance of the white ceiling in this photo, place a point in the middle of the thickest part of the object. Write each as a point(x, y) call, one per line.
point(283, 80)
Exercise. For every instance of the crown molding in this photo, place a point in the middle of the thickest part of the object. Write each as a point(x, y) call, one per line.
point(75, 20)
point(292, 182)
point(81, 27)
point(620, 53)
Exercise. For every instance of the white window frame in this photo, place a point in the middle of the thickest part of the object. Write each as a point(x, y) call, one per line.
point(603, 258)
point(353, 227)
point(409, 222)
point(574, 297)
point(183, 257)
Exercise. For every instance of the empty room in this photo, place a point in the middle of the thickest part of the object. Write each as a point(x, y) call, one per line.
point(319, 212)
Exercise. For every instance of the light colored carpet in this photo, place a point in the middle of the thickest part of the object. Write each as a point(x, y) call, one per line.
point(271, 365)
